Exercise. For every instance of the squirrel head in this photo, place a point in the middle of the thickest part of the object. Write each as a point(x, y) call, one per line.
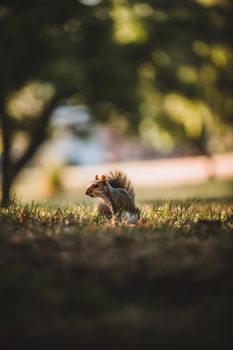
point(97, 188)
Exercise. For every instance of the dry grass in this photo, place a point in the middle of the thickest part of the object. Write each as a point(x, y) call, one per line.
point(70, 277)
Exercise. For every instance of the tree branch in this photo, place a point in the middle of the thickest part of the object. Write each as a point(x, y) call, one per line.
point(38, 137)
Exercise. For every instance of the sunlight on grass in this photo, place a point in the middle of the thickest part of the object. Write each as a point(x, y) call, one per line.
point(173, 214)
point(69, 269)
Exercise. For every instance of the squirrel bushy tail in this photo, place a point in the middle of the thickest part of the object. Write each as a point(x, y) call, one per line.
point(116, 196)
point(117, 179)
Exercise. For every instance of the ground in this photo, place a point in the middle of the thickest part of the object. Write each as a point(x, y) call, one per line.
point(70, 279)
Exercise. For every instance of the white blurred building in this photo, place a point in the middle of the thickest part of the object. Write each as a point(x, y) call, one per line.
point(76, 140)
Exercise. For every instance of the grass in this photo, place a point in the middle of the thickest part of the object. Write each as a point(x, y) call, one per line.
point(70, 279)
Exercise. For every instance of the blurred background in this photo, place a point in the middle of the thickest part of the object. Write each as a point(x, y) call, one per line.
point(142, 86)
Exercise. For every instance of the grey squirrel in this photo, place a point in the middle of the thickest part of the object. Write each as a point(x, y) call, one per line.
point(116, 196)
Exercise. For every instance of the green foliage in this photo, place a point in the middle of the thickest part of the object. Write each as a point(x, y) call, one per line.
point(162, 68)
point(126, 58)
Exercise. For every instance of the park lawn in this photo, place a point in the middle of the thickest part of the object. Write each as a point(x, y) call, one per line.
point(70, 279)
point(216, 189)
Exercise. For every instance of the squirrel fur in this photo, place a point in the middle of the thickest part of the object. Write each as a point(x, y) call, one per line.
point(116, 195)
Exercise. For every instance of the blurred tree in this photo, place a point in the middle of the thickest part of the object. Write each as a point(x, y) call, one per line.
point(163, 67)
point(187, 73)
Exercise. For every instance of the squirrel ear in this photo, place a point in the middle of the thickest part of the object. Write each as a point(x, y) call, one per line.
point(97, 177)
point(103, 178)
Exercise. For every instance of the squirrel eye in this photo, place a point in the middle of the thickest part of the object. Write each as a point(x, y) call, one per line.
point(96, 186)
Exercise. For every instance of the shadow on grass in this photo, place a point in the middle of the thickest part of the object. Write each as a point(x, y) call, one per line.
point(70, 279)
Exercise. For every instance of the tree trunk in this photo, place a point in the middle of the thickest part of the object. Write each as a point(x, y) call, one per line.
point(10, 168)
point(6, 160)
